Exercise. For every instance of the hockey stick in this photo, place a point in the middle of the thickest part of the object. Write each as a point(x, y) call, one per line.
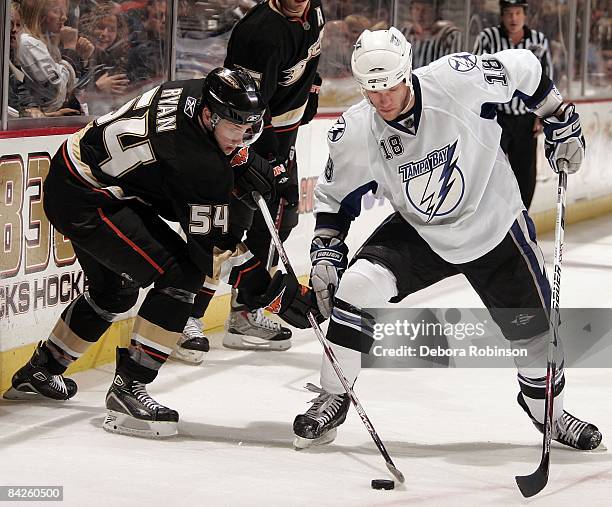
point(277, 222)
point(534, 483)
point(328, 351)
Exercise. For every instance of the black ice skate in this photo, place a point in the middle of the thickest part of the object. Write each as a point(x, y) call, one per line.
point(131, 411)
point(319, 424)
point(34, 381)
point(569, 430)
point(192, 344)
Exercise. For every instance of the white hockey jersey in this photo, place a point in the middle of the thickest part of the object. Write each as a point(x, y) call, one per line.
point(48, 80)
point(440, 166)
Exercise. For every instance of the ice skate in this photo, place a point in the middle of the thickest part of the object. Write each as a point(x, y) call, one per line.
point(569, 430)
point(253, 330)
point(132, 411)
point(34, 381)
point(318, 426)
point(192, 344)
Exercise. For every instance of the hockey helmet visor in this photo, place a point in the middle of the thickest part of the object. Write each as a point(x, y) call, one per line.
point(233, 95)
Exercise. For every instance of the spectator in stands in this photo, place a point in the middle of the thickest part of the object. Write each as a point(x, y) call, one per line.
point(51, 74)
point(431, 37)
point(336, 50)
point(20, 100)
point(356, 24)
point(484, 13)
point(75, 9)
point(380, 25)
point(338, 9)
point(106, 27)
point(147, 57)
point(422, 17)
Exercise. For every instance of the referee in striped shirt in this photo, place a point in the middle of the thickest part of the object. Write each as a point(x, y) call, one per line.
point(431, 38)
point(519, 126)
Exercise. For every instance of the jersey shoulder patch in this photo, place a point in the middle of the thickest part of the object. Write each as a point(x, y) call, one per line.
point(335, 133)
point(352, 121)
point(462, 62)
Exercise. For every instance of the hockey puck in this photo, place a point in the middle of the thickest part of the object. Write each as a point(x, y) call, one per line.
point(382, 484)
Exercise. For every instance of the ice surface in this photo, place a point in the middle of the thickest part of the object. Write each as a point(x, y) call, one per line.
point(458, 435)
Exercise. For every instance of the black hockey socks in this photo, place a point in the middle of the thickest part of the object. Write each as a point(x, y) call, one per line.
point(201, 302)
point(159, 325)
point(81, 324)
point(351, 327)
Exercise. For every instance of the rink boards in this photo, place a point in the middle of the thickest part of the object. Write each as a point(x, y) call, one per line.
point(39, 274)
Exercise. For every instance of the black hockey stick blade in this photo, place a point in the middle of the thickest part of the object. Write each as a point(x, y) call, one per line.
point(395, 472)
point(531, 485)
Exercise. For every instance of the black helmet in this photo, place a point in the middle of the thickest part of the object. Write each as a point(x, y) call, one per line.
point(233, 95)
point(512, 3)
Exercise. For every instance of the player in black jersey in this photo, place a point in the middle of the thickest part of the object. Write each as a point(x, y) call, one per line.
point(177, 152)
point(283, 59)
point(278, 42)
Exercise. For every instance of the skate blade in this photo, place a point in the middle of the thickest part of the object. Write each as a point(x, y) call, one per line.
point(244, 342)
point(16, 395)
point(188, 356)
point(304, 443)
point(124, 424)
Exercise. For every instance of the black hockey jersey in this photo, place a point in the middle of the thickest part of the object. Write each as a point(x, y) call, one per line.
point(154, 149)
point(282, 55)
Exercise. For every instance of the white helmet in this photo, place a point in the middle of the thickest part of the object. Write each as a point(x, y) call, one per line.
point(382, 59)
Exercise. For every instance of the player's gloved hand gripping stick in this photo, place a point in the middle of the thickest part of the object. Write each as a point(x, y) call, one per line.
point(328, 351)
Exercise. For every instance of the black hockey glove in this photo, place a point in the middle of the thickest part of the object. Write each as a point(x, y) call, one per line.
point(287, 298)
point(564, 145)
point(256, 176)
point(285, 187)
point(251, 275)
point(329, 257)
point(313, 100)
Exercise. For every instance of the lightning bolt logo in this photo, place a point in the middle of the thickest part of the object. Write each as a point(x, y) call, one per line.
point(337, 130)
point(435, 193)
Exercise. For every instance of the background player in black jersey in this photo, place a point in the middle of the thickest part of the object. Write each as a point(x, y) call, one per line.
point(177, 152)
point(278, 43)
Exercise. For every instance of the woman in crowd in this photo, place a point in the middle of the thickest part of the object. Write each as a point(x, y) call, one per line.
point(20, 100)
point(107, 29)
point(50, 73)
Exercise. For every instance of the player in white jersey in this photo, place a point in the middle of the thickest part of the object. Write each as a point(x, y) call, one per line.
point(429, 143)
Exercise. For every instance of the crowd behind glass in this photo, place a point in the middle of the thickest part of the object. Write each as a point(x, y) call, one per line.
point(86, 57)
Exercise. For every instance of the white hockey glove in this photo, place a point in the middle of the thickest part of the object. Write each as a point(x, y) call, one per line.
point(564, 146)
point(329, 257)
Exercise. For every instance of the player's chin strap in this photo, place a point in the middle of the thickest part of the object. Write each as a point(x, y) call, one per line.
point(328, 351)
